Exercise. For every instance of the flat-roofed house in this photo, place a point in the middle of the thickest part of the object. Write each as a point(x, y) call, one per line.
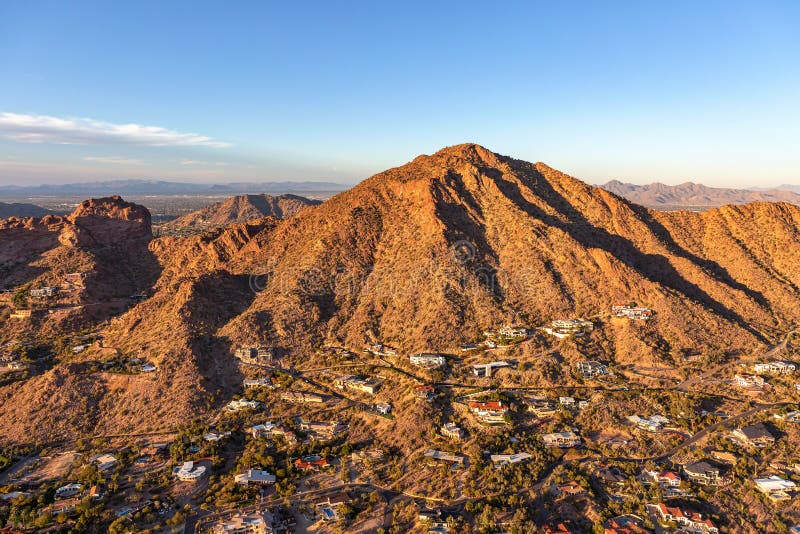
point(255, 476)
point(562, 440)
point(755, 435)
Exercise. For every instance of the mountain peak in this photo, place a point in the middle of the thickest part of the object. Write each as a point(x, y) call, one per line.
point(471, 152)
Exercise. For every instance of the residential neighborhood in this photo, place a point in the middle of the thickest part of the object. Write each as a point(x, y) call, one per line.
point(298, 450)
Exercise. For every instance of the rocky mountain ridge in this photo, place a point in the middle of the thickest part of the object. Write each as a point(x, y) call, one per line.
point(426, 256)
point(239, 209)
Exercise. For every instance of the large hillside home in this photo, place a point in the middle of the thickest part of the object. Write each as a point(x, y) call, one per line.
point(703, 473)
point(755, 435)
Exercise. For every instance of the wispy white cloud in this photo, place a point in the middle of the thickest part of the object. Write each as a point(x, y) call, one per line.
point(83, 131)
point(114, 160)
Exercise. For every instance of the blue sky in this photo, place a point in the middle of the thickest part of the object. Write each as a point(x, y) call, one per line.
point(262, 91)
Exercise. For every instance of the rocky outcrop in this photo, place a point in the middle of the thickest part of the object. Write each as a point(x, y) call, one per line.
point(105, 221)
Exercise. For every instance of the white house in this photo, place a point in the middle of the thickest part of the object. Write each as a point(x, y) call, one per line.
point(487, 369)
point(427, 359)
point(500, 460)
point(70, 490)
point(775, 487)
point(513, 331)
point(188, 472)
point(263, 430)
point(749, 381)
point(561, 439)
point(243, 404)
point(775, 368)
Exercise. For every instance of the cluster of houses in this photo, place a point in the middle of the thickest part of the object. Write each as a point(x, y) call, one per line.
point(689, 521)
point(270, 431)
point(564, 328)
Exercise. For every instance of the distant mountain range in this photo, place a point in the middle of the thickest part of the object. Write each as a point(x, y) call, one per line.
point(694, 196)
point(157, 187)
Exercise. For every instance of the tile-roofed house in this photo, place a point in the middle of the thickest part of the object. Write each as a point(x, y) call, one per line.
point(557, 528)
point(489, 412)
point(313, 462)
point(687, 519)
point(625, 524)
